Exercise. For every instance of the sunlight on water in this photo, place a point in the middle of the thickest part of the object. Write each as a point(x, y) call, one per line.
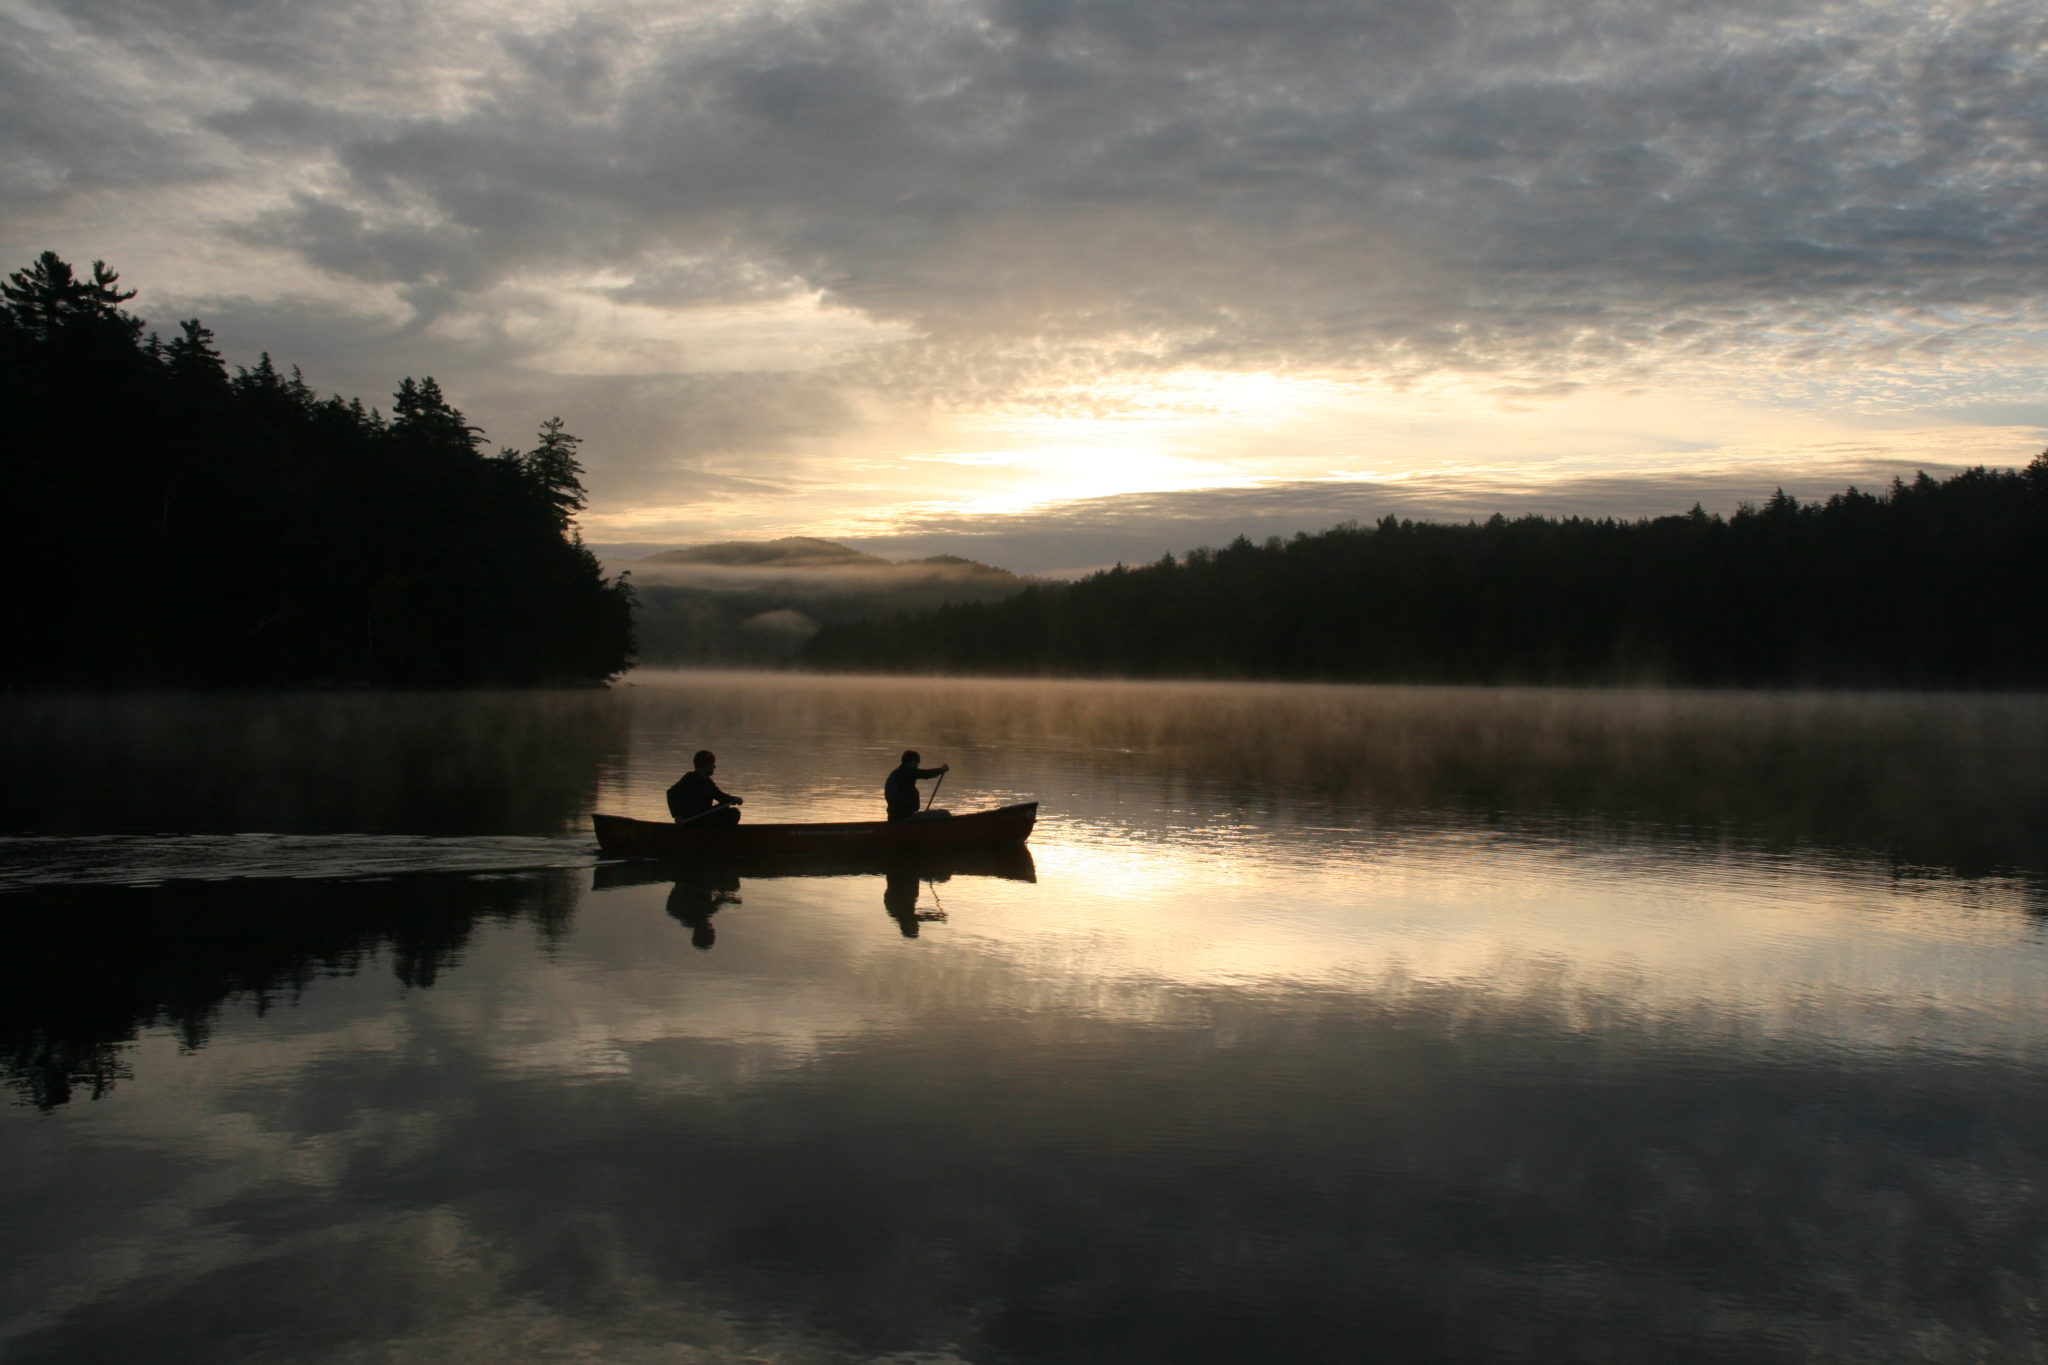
point(1321, 1023)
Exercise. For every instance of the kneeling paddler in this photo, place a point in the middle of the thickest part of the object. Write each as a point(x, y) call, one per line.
point(696, 800)
point(900, 790)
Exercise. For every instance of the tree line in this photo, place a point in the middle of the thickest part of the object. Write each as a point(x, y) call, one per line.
point(1929, 583)
point(177, 524)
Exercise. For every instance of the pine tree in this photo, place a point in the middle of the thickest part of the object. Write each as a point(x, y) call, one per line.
point(190, 356)
point(48, 299)
point(553, 469)
point(420, 412)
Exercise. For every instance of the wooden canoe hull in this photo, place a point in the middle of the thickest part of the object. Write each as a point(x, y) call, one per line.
point(621, 837)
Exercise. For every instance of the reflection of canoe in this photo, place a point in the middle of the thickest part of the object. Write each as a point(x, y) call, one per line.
point(623, 838)
point(1012, 862)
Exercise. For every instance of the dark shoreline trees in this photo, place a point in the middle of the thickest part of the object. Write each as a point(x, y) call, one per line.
point(175, 525)
point(1932, 583)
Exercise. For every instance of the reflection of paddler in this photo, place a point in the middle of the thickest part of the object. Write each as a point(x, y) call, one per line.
point(694, 903)
point(899, 898)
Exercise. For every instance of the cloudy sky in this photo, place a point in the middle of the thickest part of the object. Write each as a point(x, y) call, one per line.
point(1057, 282)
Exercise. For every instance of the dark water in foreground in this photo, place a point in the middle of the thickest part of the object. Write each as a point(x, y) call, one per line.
point(1360, 1024)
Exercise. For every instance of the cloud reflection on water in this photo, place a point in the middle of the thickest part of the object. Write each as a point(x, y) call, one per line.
point(824, 1135)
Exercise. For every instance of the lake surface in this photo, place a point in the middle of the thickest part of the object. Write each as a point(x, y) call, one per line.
point(1323, 1024)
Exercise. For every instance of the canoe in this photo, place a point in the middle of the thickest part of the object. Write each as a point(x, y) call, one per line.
point(624, 838)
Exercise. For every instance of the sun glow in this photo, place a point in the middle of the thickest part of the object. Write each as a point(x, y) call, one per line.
point(1014, 481)
point(1147, 444)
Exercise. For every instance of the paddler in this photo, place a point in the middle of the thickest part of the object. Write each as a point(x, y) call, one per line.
point(900, 790)
point(696, 800)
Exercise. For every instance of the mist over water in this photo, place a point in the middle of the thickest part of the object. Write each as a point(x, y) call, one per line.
point(367, 762)
point(1321, 1023)
point(1959, 781)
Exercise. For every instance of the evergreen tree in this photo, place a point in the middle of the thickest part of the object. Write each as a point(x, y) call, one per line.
point(48, 299)
point(191, 358)
point(422, 415)
point(553, 469)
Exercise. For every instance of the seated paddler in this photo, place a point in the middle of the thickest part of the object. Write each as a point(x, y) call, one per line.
point(696, 800)
point(900, 790)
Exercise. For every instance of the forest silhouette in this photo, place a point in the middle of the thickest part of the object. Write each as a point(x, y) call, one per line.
point(184, 526)
point(1929, 583)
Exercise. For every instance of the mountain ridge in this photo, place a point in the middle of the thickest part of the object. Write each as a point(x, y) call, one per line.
point(796, 553)
point(804, 552)
point(755, 602)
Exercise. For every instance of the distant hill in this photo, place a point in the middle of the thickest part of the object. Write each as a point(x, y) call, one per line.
point(790, 552)
point(756, 602)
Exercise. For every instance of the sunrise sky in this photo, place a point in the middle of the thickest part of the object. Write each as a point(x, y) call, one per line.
point(1053, 283)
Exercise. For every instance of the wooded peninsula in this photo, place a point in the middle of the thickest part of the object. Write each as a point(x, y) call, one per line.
point(1931, 583)
point(180, 526)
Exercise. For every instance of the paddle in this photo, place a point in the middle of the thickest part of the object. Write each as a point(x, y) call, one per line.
point(700, 815)
point(935, 791)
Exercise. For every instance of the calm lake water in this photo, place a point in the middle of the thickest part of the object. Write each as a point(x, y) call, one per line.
point(1323, 1024)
